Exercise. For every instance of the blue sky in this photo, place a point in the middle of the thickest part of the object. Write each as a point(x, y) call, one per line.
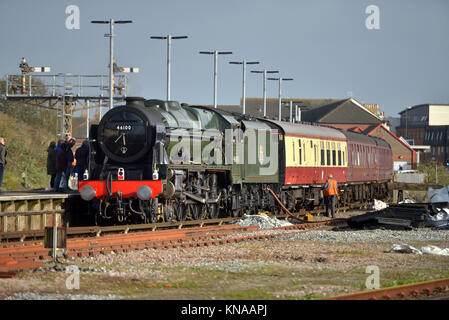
point(323, 44)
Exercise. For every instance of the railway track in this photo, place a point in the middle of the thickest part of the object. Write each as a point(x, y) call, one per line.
point(33, 255)
point(420, 290)
point(23, 235)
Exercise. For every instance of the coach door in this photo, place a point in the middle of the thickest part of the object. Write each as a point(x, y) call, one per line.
point(316, 156)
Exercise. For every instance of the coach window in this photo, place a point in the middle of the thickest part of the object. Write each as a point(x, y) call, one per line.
point(300, 153)
point(369, 157)
point(334, 154)
point(305, 151)
point(293, 150)
point(358, 155)
point(339, 153)
point(328, 154)
point(322, 153)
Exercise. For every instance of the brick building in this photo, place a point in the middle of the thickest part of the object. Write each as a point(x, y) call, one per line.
point(427, 124)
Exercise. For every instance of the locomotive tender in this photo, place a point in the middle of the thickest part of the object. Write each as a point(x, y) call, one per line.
point(153, 160)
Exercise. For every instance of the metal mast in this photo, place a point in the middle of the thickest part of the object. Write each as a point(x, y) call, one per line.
point(111, 35)
point(169, 38)
point(215, 53)
point(244, 63)
point(265, 88)
point(280, 93)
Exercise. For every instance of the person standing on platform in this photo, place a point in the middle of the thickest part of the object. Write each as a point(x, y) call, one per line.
point(82, 159)
point(70, 142)
point(61, 165)
point(51, 163)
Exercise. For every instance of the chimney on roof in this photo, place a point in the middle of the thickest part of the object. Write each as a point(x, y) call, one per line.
point(298, 113)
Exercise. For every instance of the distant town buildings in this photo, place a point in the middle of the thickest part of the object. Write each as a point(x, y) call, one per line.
point(427, 125)
point(345, 114)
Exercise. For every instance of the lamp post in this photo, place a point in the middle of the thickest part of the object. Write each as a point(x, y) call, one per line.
point(111, 35)
point(169, 38)
point(215, 53)
point(265, 87)
point(244, 63)
point(280, 92)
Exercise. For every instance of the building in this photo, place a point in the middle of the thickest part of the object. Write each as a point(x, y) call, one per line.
point(427, 124)
point(345, 114)
point(404, 156)
point(339, 113)
point(374, 109)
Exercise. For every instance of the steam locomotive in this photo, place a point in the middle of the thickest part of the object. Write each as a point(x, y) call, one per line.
point(154, 161)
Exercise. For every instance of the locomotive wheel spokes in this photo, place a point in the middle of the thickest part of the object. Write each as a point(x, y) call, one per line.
point(169, 213)
point(154, 210)
point(196, 211)
point(181, 212)
point(213, 211)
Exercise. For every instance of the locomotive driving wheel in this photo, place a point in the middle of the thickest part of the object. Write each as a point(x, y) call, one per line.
point(213, 211)
point(181, 212)
point(154, 210)
point(196, 211)
point(169, 212)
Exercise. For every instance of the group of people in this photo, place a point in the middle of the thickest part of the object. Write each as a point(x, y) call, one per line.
point(62, 162)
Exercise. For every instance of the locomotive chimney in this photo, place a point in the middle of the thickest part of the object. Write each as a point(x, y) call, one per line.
point(135, 101)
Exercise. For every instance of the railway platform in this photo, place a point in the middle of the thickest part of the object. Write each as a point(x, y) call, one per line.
point(33, 210)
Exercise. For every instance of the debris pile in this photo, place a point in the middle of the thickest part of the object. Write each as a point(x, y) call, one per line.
point(404, 216)
point(263, 221)
point(438, 195)
point(405, 248)
point(378, 205)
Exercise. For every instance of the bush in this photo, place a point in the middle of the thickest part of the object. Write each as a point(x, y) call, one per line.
point(429, 170)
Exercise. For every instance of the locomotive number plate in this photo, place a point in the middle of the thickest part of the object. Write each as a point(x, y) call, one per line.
point(124, 127)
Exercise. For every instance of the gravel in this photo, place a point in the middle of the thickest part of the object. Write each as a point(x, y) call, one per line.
point(371, 236)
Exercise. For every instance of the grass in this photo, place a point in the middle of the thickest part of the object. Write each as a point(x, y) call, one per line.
point(429, 170)
point(27, 154)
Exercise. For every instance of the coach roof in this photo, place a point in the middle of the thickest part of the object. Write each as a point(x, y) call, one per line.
point(305, 129)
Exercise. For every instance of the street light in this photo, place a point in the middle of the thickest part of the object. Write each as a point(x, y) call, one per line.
point(111, 35)
point(169, 38)
point(215, 53)
point(265, 88)
point(280, 90)
point(244, 63)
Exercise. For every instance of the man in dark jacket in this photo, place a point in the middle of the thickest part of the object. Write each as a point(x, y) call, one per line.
point(61, 164)
point(69, 156)
point(3, 153)
point(82, 159)
point(51, 163)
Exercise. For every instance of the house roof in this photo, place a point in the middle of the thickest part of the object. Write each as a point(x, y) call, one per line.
point(312, 110)
point(370, 130)
point(347, 111)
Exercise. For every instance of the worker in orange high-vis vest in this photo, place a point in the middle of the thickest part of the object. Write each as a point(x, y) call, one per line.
point(330, 194)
